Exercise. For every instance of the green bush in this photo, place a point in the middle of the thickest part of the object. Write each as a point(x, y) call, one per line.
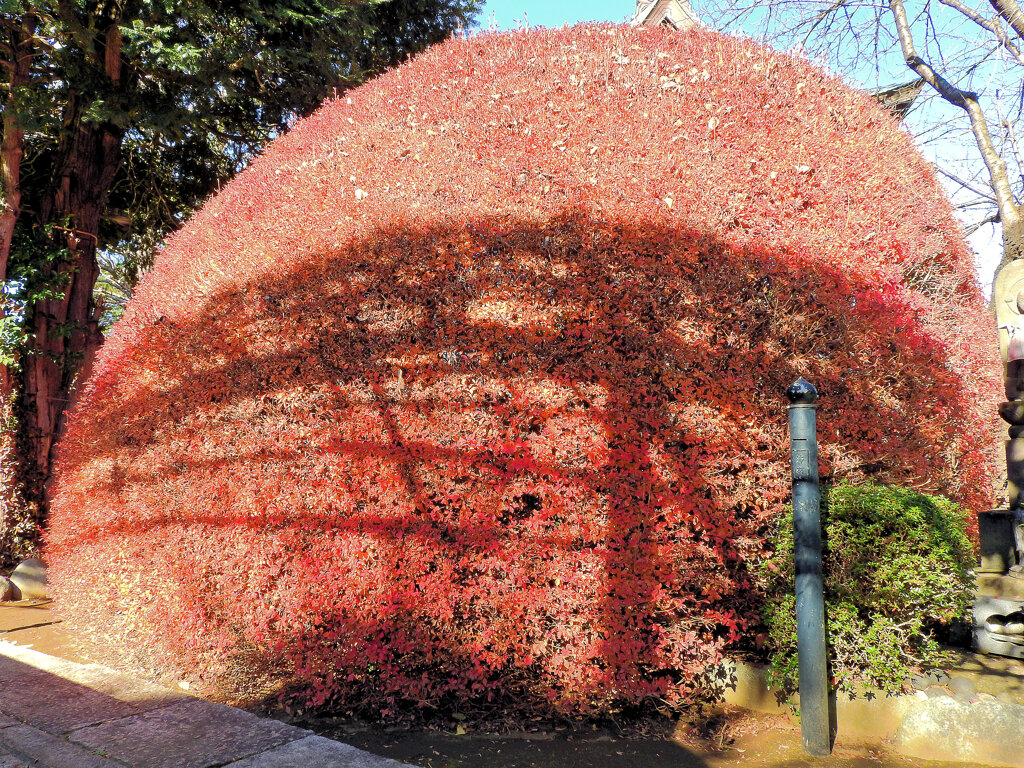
point(897, 568)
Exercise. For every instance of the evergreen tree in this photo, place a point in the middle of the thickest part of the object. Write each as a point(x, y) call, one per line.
point(119, 118)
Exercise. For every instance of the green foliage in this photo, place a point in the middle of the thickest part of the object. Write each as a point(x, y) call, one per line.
point(203, 86)
point(33, 276)
point(897, 566)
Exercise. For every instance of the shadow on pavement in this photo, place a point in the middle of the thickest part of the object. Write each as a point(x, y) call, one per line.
point(58, 713)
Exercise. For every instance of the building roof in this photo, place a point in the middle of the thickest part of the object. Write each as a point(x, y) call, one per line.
point(678, 14)
point(899, 99)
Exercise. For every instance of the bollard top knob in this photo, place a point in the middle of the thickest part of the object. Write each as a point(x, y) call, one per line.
point(801, 391)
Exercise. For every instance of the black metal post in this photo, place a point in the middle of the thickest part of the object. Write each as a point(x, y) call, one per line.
point(810, 597)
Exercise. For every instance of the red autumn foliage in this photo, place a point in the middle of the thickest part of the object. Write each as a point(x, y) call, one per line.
point(469, 390)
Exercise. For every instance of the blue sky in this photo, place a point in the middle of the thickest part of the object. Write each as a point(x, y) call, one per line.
point(509, 14)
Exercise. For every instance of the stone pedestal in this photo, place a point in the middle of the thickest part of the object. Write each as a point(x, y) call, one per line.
point(997, 539)
point(999, 643)
point(999, 585)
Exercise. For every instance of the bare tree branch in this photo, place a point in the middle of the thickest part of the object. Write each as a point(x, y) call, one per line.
point(967, 101)
point(821, 16)
point(1012, 12)
point(957, 180)
point(992, 26)
point(970, 229)
point(1011, 137)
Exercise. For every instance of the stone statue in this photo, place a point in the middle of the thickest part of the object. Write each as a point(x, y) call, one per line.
point(1008, 297)
point(999, 595)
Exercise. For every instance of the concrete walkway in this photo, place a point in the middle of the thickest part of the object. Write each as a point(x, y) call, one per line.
point(62, 714)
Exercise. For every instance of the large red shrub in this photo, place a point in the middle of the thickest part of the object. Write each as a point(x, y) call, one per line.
point(470, 389)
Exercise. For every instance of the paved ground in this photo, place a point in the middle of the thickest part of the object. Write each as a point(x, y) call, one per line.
point(58, 709)
point(59, 713)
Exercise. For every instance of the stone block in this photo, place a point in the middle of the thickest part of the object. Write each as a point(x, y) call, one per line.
point(963, 687)
point(139, 693)
point(49, 750)
point(745, 685)
point(7, 760)
point(30, 579)
point(32, 658)
point(998, 548)
point(319, 752)
point(17, 660)
point(994, 585)
point(51, 702)
point(943, 728)
point(874, 718)
point(188, 734)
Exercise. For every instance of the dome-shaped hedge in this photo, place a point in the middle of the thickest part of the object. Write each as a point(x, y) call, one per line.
point(469, 390)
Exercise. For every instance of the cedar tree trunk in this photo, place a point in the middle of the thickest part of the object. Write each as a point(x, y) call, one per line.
point(21, 42)
point(65, 329)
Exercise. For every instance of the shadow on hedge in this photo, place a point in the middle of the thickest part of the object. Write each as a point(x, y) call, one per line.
point(483, 465)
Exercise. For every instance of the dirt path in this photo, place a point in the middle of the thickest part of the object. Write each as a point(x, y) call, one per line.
point(751, 741)
point(31, 622)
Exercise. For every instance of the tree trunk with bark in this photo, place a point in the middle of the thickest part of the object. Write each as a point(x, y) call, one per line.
point(65, 328)
point(21, 46)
